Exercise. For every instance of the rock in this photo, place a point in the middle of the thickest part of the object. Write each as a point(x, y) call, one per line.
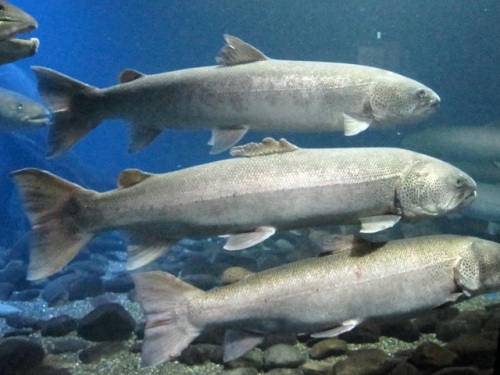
point(426, 323)
point(285, 371)
point(136, 348)
point(239, 371)
point(6, 290)
point(71, 287)
point(474, 350)
point(450, 329)
point(365, 362)
point(19, 356)
point(19, 321)
point(284, 245)
point(56, 291)
point(458, 371)
point(446, 313)
point(69, 345)
point(119, 283)
point(49, 370)
point(282, 356)
point(107, 322)
point(278, 338)
point(431, 355)
point(365, 333)
point(59, 326)
point(199, 353)
point(403, 330)
point(317, 368)
point(254, 358)
point(95, 353)
point(404, 368)
point(18, 332)
point(25, 295)
point(327, 348)
point(95, 267)
point(14, 272)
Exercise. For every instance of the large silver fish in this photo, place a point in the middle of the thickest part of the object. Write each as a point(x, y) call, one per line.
point(273, 186)
point(18, 112)
point(247, 91)
point(324, 296)
point(15, 21)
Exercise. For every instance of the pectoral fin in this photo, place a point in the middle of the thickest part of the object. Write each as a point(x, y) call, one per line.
point(353, 126)
point(237, 343)
point(224, 139)
point(345, 327)
point(242, 241)
point(145, 248)
point(374, 224)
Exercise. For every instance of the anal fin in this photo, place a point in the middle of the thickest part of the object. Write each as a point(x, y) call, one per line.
point(224, 139)
point(242, 241)
point(237, 343)
point(141, 137)
point(145, 248)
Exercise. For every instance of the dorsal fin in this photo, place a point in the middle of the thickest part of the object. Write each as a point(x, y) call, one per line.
point(131, 177)
point(129, 75)
point(338, 243)
point(267, 147)
point(236, 52)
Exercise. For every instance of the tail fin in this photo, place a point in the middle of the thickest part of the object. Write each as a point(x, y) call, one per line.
point(71, 108)
point(53, 206)
point(168, 329)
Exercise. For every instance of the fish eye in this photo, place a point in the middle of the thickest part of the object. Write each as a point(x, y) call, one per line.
point(421, 93)
point(459, 182)
point(20, 107)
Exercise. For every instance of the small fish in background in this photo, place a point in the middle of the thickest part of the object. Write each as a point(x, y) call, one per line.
point(18, 112)
point(14, 21)
point(485, 207)
point(272, 186)
point(246, 91)
point(458, 143)
point(324, 296)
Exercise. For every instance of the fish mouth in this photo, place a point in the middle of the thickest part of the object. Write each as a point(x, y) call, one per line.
point(42, 119)
point(15, 29)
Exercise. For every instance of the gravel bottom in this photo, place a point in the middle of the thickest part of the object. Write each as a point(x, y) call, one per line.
point(128, 363)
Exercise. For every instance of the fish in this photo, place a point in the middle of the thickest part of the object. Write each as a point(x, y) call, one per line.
point(269, 186)
point(324, 296)
point(458, 143)
point(18, 112)
point(247, 90)
point(486, 207)
point(15, 21)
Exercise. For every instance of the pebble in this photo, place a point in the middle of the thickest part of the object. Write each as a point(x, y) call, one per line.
point(6, 290)
point(404, 330)
point(282, 356)
point(19, 356)
point(404, 368)
point(365, 362)
point(239, 371)
point(199, 353)
point(327, 348)
point(474, 350)
point(108, 322)
point(97, 352)
point(119, 283)
point(59, 326)
point(431, 355)
point(67, 345)
point(254, 358)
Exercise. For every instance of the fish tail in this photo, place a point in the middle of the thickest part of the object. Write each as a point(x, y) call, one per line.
point(54, 206)
point(71, 105)
point(168, 331)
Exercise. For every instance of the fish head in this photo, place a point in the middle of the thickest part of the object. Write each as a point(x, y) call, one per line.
point(431, 188)
point(478, 268)
point(14, 21)
point(397, 99)
point(18, 111)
